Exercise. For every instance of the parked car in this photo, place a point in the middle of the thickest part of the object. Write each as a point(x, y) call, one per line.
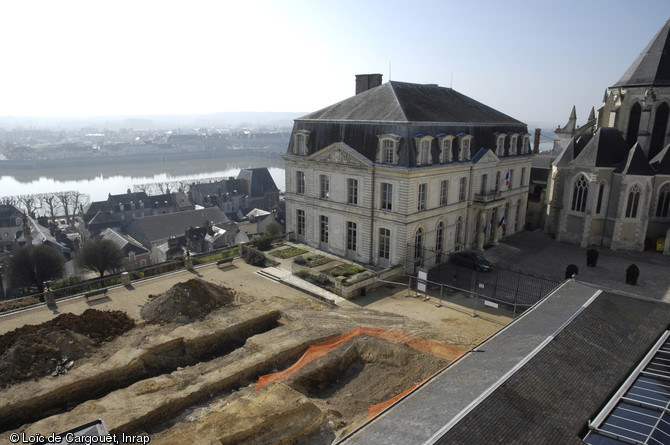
point(471, 259)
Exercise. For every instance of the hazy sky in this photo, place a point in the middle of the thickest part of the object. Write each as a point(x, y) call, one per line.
point(530, 59)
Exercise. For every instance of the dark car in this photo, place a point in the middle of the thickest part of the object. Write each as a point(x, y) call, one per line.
point(471, 259)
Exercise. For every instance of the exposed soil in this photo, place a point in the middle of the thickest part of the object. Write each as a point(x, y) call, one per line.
point(33, 351)
point(185, 302)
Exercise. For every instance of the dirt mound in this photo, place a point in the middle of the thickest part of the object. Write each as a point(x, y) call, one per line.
point(29, 352)
point(186, 302)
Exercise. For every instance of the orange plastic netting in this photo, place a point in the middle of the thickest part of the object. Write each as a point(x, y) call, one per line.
point(316, 351)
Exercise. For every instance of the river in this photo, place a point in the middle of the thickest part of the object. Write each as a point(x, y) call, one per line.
point(100, 180)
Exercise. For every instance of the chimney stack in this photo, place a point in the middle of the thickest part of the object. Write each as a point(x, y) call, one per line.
point(536, 141)
point(366, 82)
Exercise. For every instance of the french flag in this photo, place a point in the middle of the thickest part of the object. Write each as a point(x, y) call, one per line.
point(502, 222)
point(507, 179)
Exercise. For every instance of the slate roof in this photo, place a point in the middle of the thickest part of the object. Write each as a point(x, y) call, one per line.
point(127, 198)
point(258, 180)
point(652, 66)
point(661, 162)
point(552, 397)
point(408, 102)
point(10, 213)
point(160, 227)
point(405, 110)
point(607, 148)
point(124, 242)
point(636, 163)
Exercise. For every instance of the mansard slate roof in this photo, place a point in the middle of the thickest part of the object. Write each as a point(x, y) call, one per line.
point(259, 181)
point(652, 66)
point(407, 111)
point(407, 102)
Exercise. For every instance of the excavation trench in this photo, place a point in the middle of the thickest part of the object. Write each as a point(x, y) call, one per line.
point(161, 359)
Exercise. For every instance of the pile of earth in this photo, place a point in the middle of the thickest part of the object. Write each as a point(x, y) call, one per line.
point(185, 302)
point(32, 351)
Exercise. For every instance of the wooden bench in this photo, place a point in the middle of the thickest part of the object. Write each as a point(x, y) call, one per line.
point(227, 261)
point(95, 293)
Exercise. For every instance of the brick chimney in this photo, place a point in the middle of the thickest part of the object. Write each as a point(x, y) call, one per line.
point(366, 82)
point(536, 141)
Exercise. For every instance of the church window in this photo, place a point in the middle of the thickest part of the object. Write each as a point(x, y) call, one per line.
point(633, 201)
point(324, 188)
point(601, 193)
point(579, 194)
point(663, 201)
point(659, 131)
point(633, 124)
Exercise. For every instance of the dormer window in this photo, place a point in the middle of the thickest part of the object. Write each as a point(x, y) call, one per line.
point(423, 153)
point(387, 151)
point(500, 144)
point(513, 149)
point(464, 149)
point(525, 147)
point(445, 143)
point(300, 142)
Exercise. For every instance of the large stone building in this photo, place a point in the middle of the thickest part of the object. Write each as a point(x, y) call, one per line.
point(610, 184)
point(403, 173)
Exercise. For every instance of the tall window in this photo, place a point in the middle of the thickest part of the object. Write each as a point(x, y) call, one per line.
point(387, 196)
point(444, 192)
point(324, 189)
point(497, 185)
point(633, 124)
point(418, 245)
point(579, 194)
point(465, 150)
point(511, 179)
point(461, 190)
point(323, 229)
point(523, 176)
point(601, 192)
point(633, 201)
point(500, 147)
point(351, 236)
point(389, 146)
point(458, 241)
point(485, 180)
point(300, 222)
point(446, 151)
point(425, 151)
point(422, 197)
point(384, 243)
point(512, 146)
point(517, 217)
point(439, 239)
point(352, 191)
point(663, 201)
point(300, 183)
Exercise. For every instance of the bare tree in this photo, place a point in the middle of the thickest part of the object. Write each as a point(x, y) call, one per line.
point(29, 203)
point(9, 200)
point(70, 201)
point(50, 202)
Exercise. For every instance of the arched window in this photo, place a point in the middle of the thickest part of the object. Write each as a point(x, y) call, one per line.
point(663, 201)
point(439, 239)
point(418, 245)
point(633, 201)
point(601, 193)
point(459, 234)
point(580, 194)
point(633, 124)
point(659, 131)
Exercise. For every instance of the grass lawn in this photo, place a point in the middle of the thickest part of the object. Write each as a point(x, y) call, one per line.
point(344, 270)
point(316, 261)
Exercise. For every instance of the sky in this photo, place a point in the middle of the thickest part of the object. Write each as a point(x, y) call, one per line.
point(530, 59)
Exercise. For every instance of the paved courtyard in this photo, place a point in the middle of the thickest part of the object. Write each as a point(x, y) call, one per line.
point(540, 254)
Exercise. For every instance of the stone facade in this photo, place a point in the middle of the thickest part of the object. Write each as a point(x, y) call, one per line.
point(610, 184)
point(438, 172)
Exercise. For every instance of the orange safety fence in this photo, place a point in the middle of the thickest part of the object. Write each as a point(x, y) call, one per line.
point(316, 351)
